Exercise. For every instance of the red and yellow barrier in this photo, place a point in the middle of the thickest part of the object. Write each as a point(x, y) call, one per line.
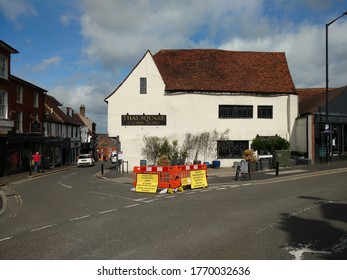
point(169, 178)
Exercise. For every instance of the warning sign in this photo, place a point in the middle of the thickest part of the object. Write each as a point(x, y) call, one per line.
point(198, 178)
point(186, 182)
point(147, 183)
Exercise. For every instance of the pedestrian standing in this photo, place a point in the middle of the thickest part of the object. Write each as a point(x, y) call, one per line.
point(37, 159)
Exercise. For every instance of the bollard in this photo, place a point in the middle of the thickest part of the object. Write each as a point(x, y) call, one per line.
point(102, 169)
point(277, 168)
point(237, 175)
point(249, 171)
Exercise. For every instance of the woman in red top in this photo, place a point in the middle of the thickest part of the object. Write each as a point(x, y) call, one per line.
point(36, 159)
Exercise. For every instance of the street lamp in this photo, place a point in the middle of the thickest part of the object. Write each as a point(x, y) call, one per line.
point(327, 125)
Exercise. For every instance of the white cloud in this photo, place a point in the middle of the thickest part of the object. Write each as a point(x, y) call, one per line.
point(119, 32)
point(65, 19)
point(90, 96)
point(44, 64)
point(15, 9)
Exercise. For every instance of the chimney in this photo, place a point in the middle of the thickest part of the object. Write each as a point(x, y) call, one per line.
point(82, 110)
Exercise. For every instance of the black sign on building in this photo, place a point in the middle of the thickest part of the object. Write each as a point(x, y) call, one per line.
point(134, 120)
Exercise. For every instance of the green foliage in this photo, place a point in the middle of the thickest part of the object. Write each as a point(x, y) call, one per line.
point(269, 144)
point(194, 145)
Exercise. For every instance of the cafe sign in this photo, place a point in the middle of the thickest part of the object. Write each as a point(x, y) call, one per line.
point(133, 120)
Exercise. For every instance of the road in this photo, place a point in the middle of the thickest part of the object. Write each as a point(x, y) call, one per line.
point(75, 215)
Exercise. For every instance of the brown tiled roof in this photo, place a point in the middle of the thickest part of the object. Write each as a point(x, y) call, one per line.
point(310, 99)
point(211, 70)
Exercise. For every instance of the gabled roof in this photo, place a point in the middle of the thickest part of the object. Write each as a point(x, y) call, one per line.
point(7, 47)
point(211, 70)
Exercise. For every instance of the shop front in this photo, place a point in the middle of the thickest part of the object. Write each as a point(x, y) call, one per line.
point(330, 138)
point(17, 150)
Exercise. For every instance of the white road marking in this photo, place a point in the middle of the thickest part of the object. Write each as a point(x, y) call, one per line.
point(6, 238)
point(108, 211)
point(44, 227)
point(67, 186)
point(132, 205)
point(79, 218)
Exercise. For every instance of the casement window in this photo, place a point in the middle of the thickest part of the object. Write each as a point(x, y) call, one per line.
point(3, 105)
point(143, 85)
point(36, 99)
point(20, 94)
point(235, 112)
point(3, 67)
point(231, 149)
point(265, 112)
point(19, 122)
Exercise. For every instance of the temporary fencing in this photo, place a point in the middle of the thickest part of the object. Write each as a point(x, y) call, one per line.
point(169, 178)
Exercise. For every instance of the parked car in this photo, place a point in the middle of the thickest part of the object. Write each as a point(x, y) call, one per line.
point(85, 160)
point(113, 157)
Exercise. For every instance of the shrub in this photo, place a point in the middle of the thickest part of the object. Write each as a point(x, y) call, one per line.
point(249, 155)
point(163, 161)
point(269, 143)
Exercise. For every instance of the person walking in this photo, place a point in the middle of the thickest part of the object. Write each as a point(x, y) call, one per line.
point(37, 159)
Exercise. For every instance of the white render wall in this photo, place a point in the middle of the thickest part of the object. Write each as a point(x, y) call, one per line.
point(189, 113)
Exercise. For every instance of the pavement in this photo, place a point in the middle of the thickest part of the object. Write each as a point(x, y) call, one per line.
point(214, 175)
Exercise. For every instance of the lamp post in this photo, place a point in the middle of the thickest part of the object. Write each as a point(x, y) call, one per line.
point(327, 124)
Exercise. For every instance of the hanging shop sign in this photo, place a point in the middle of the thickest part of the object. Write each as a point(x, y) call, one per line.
point(156, 120)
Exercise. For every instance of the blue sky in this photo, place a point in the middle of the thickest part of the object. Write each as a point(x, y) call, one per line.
point(80, 50)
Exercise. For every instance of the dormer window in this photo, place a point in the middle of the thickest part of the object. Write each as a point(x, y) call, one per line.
point(3, 67)
point(143, 85)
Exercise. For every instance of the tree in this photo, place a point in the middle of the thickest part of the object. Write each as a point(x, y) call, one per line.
point(151, 148)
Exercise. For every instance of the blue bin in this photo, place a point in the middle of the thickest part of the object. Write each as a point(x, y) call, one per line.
point(216, 164)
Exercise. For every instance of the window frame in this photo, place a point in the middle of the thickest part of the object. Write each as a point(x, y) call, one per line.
point(19, 97)
point(19, 121)
point(265, 111)
point(230, 149)
point(235, 111)
point(143, 85)
point(4, 105)
point(36, 100)
point(4, 67)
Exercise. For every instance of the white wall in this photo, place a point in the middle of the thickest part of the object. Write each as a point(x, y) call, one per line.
point(189, 113)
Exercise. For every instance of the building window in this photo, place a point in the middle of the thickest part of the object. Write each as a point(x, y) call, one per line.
point(20, 94)
point(3, 67)
point(3, 105)
point(231, 149)
point(19, 122)
point(235, 111)
point(265, 112)
point(36, 99)
point(143, 85)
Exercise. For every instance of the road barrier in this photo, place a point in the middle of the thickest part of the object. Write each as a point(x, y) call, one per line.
point(169, 178)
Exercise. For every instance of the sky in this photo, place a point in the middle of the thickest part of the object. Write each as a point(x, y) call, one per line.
point(81, 50)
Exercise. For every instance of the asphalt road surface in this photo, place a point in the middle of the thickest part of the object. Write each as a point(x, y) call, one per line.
point(75, 215)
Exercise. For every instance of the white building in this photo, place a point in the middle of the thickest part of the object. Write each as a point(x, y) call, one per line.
point(176, 92)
